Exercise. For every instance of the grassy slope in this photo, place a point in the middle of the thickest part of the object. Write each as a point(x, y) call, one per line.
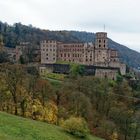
point(17, 128)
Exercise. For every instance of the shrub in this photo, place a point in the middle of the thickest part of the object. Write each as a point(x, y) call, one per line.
point(76, 70)
point(76, 126)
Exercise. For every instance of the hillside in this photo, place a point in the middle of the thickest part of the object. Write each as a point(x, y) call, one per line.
point(17, 128)
point(17, 33)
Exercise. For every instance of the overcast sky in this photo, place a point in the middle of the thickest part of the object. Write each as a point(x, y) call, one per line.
point(121, 17)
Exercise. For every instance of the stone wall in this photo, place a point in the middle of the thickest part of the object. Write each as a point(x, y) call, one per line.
point(48, 52)
point(71, 52)
point(97, 53)
point(106, 73)
point(98, 71)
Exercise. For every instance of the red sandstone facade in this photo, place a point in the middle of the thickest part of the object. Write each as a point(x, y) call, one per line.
point(97, 53)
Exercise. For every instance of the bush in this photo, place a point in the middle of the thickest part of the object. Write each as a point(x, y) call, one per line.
point(76, 70)
point(76, 126)
point(55, 76)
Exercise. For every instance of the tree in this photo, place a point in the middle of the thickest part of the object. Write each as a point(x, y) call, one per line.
point(22, 60)
point(14, 78)
point(44, 90)
point(76, 70)
point(76, 126)
point(3, 57)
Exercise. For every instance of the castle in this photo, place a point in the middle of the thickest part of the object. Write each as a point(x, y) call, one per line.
point(96, 54)
point(97, 58)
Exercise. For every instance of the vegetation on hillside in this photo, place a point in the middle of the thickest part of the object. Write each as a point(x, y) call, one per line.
point(17, 33)
point(17, 128)
point(110, 108)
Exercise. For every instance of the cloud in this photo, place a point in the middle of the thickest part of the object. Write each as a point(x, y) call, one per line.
point(121, 17)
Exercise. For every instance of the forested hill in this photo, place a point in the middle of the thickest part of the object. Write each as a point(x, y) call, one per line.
point(20, 33)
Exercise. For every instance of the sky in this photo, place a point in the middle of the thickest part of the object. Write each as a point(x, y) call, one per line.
point(120, 17)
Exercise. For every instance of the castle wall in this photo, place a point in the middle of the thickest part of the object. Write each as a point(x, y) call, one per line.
point(100, 72)
point(89, 54)
point(43, 69)
point(121, 66)
point(101, 40)
point(71, 52)
point(101, 55)
point(97, 54)
point(48, 52)
point(106, 73)
point(123, 69)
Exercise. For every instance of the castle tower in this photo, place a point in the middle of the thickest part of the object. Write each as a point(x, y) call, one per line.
point(101, 40)
point(101, 49)
point(48, 52)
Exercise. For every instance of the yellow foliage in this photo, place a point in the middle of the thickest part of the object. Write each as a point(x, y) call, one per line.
point(43, 113)
point(51, 112)
point(76, 126)
point(114, 136)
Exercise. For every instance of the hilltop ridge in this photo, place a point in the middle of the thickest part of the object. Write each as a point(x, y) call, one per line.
point(14, 34)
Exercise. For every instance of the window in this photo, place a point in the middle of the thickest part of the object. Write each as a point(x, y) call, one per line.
point(99, 41)
point(99, 46)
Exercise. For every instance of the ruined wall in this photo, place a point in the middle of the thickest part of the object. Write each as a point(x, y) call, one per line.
point(101, 72)
point(106, 73)
point(48, 52)
point(71, 52)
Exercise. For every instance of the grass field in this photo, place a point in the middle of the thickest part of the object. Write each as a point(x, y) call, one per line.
point(17, 128)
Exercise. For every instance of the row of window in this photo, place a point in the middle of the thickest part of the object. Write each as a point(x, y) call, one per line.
point(72, 60)
point(68, 55)
point(50, 45)
point(100, 46)
point(76, 45)
point(48, 49)
point(69, 50)
point(90, 56)
point(48, 54)
point(48, 58)
point(101, 41)
point(88, 60)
